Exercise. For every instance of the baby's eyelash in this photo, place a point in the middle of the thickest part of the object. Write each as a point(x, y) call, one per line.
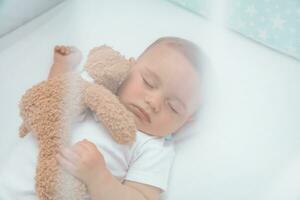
point(175, 111)
point(147, 83)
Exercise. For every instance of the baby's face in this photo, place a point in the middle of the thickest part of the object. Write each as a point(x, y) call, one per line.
point(162, 91)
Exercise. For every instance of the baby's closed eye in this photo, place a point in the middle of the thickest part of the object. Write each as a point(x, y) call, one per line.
point(148, 82)
point(174, 106)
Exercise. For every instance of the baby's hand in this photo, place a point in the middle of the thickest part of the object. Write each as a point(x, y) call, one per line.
point(67, 56)
point(83, 160)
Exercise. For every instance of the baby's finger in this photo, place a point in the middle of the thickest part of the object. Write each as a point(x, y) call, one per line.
point(83, 145)
point(60, 49)
point(64, 49)
point(67, 165)
point(73, 48)
point(79, 149)
point(88, 145)
point(57, 48)
point(70, 155)
point(67, 51)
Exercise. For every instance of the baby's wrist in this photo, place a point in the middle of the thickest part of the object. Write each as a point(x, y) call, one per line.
point(101, 179)
point(103, 186)
point(64, 65)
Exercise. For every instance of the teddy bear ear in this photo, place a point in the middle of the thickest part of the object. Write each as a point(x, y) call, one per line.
point(107, 67)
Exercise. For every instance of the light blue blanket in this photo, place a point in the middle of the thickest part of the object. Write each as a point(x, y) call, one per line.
point(274, 23)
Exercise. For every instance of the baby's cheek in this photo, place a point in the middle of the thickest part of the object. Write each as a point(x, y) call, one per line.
point(136, 88)
point(166, 124)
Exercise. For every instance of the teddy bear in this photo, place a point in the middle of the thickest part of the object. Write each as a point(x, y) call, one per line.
point(49, 109)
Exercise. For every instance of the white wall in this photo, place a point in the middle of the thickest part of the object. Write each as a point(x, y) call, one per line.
point(247, 143)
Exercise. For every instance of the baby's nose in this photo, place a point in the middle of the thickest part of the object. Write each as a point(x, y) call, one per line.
point(154, 101)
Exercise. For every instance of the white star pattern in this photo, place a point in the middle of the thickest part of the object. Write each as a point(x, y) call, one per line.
point(251, 10)
point(274, 23)
point(278, 22)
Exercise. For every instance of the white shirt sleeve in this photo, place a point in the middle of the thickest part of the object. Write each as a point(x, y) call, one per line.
point(151, 163)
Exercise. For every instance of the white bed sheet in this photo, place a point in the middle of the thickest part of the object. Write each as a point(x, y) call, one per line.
point(246, 145)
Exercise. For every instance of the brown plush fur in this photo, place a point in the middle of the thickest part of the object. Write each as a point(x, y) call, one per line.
point(49, 108)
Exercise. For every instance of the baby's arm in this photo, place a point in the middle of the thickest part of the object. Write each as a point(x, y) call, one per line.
point(65, 59)
point(112, 189)
point(85, 162)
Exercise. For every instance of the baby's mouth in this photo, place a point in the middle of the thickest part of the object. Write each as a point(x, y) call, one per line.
point(140, 113)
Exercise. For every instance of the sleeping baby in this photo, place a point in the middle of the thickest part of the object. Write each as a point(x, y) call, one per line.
point(162, 91)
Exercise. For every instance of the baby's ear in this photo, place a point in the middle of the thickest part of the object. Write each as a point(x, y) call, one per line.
point(190, 119)
point(193, 117)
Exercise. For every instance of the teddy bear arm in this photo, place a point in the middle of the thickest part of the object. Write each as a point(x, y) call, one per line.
point(112, 113)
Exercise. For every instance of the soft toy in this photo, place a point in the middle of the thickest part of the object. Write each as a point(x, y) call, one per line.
point(49, 108)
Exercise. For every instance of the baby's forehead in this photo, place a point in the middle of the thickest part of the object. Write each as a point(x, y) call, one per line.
point(167, 47)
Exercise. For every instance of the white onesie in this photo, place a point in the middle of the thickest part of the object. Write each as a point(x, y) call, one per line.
point(147, 161)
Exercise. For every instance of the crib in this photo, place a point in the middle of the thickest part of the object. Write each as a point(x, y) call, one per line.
point(245, 144)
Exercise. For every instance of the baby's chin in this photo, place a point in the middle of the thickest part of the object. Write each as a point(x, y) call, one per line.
point(140, 127)
point(147, 130)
